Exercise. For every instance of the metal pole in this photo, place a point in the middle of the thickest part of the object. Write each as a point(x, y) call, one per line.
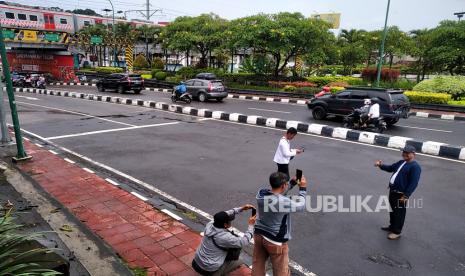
point(381, 50)
point(5, 136)
point(21, 154)
point(148, 9)
point(114, 35)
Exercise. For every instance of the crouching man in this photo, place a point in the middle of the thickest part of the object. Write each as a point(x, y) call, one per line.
point(218, 254)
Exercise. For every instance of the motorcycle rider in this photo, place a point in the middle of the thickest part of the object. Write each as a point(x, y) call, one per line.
point(180, 90)
point(371, 112)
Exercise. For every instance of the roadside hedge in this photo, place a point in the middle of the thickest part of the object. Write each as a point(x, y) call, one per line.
point(388, 75)
point(452, 85)
point(422, 97)
point(161, 76)
point(109, 70)
point(325, 80)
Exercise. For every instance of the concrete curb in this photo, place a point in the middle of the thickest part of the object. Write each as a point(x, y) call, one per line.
point(396, 142)
point(449, 117)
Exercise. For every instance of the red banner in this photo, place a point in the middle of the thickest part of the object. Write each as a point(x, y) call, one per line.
point(61, 67)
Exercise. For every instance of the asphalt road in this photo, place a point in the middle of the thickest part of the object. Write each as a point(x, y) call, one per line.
point(449, 132)
point(216, 165)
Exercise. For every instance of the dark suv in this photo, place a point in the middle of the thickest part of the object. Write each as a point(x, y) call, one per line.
point(204, 90)
point(393, 103)
point(121, 83)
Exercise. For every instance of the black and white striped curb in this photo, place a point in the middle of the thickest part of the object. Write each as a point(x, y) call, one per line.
point(267, 99)
point(73, 83)
point(397, 142)
point(438, 116)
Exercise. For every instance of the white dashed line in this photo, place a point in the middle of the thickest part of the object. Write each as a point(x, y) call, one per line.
point(139, 196)
point(112, 181)
point(69, 161)
point(39, 145)
point(269, 110)
point(88, 170)
point(27, 139)
point(54, 152)
point(171, 214)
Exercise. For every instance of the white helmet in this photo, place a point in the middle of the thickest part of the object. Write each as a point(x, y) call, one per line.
point(367, 102)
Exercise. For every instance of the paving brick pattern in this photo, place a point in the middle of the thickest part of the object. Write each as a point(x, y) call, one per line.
point(143, 236)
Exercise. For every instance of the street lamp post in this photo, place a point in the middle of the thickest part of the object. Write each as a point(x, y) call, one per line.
point(381, 49)
point(459, 15)
point(113, 30)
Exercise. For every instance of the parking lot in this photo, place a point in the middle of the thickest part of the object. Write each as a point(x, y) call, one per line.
point(215, 165)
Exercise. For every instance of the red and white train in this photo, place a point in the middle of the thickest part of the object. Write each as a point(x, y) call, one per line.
point(35, 18)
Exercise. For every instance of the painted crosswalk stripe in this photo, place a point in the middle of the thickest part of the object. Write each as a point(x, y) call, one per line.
point(171, 214)
point(139, 196)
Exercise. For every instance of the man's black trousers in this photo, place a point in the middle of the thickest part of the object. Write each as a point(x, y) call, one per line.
point(397, 216)
point(284, 168)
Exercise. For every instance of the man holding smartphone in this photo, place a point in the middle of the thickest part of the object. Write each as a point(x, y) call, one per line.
point(284, 154)
point(273, 225)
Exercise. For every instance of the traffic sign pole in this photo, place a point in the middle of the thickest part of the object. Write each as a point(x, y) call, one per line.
point(21, 154)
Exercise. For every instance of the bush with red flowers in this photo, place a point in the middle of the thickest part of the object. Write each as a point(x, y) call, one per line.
point(389, 75)
point(297, 84)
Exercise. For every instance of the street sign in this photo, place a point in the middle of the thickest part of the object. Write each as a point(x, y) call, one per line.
point(96, 39)
point(8, 34)
point(52, 37)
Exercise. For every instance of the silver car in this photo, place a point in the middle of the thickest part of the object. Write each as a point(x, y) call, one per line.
point(204, 90)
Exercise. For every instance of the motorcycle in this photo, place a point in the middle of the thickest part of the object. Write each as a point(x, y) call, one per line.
point(186, 97)
point(40, 84)
point(357, 120)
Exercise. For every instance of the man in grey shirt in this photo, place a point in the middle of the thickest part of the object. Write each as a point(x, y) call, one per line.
point(211, 256)
point(273, 227)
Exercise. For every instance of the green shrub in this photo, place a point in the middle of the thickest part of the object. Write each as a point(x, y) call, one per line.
point(161, 76)
point(109, 70)
point(335, 89)
point(141, 62)
point(452, 85)
point(154, 72)
point(175, 79)
point(399, 84)
point(289, 88)
point(157, 63)
point(422, 97)
point(324, 80)
point(146, 76)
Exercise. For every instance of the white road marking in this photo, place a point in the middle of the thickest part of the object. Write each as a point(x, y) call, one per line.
point(430, 129)
point(141, 197)
point(171, 214)
point(342, 140)
point(27, 139)
point(108, 130)
point(269, 110)
point(206, 215)
point(69, 161)
point(54, 152)
point(77, 113)
point(28, 98)
point(39, 145)
point(112, 182)
point(88, 170)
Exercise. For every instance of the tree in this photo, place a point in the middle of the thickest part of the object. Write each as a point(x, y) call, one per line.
point(148, 34)
point(397, 43)
point(85, 12)
point(421, 44)
point(283, 36)
point(447, 49)
point(140, 62)
point(201, 33)
point(352, 48)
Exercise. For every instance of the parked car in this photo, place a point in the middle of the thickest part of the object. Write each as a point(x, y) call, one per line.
point(204, 90)
point(121, 82)
point(393, 103)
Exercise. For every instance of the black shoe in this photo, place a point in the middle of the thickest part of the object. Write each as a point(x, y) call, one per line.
point(387, 229)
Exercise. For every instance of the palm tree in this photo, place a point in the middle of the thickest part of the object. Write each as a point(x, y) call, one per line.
point(148, 34)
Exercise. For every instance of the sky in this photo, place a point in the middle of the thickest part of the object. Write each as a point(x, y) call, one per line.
point(358, 14)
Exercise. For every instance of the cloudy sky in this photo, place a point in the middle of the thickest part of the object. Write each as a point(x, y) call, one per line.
point(361, 14)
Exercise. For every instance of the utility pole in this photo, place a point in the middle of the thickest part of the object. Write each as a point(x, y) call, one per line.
point(381, 48)
point(148, 9)
point(5, 136)
point(459, 15)
point(21, 154)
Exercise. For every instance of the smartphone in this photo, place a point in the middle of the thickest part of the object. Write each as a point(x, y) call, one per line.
point(298, 174)
point(254, 212)
point(302, 149)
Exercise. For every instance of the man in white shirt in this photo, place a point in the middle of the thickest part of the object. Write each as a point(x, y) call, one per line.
point(373, 112)
point(284, 153)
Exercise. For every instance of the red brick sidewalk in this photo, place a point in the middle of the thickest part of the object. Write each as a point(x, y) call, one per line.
point(143, 236)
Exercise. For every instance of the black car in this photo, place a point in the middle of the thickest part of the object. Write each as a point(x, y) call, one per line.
point(121, 83)
point(393, 103)
point(204, 90)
